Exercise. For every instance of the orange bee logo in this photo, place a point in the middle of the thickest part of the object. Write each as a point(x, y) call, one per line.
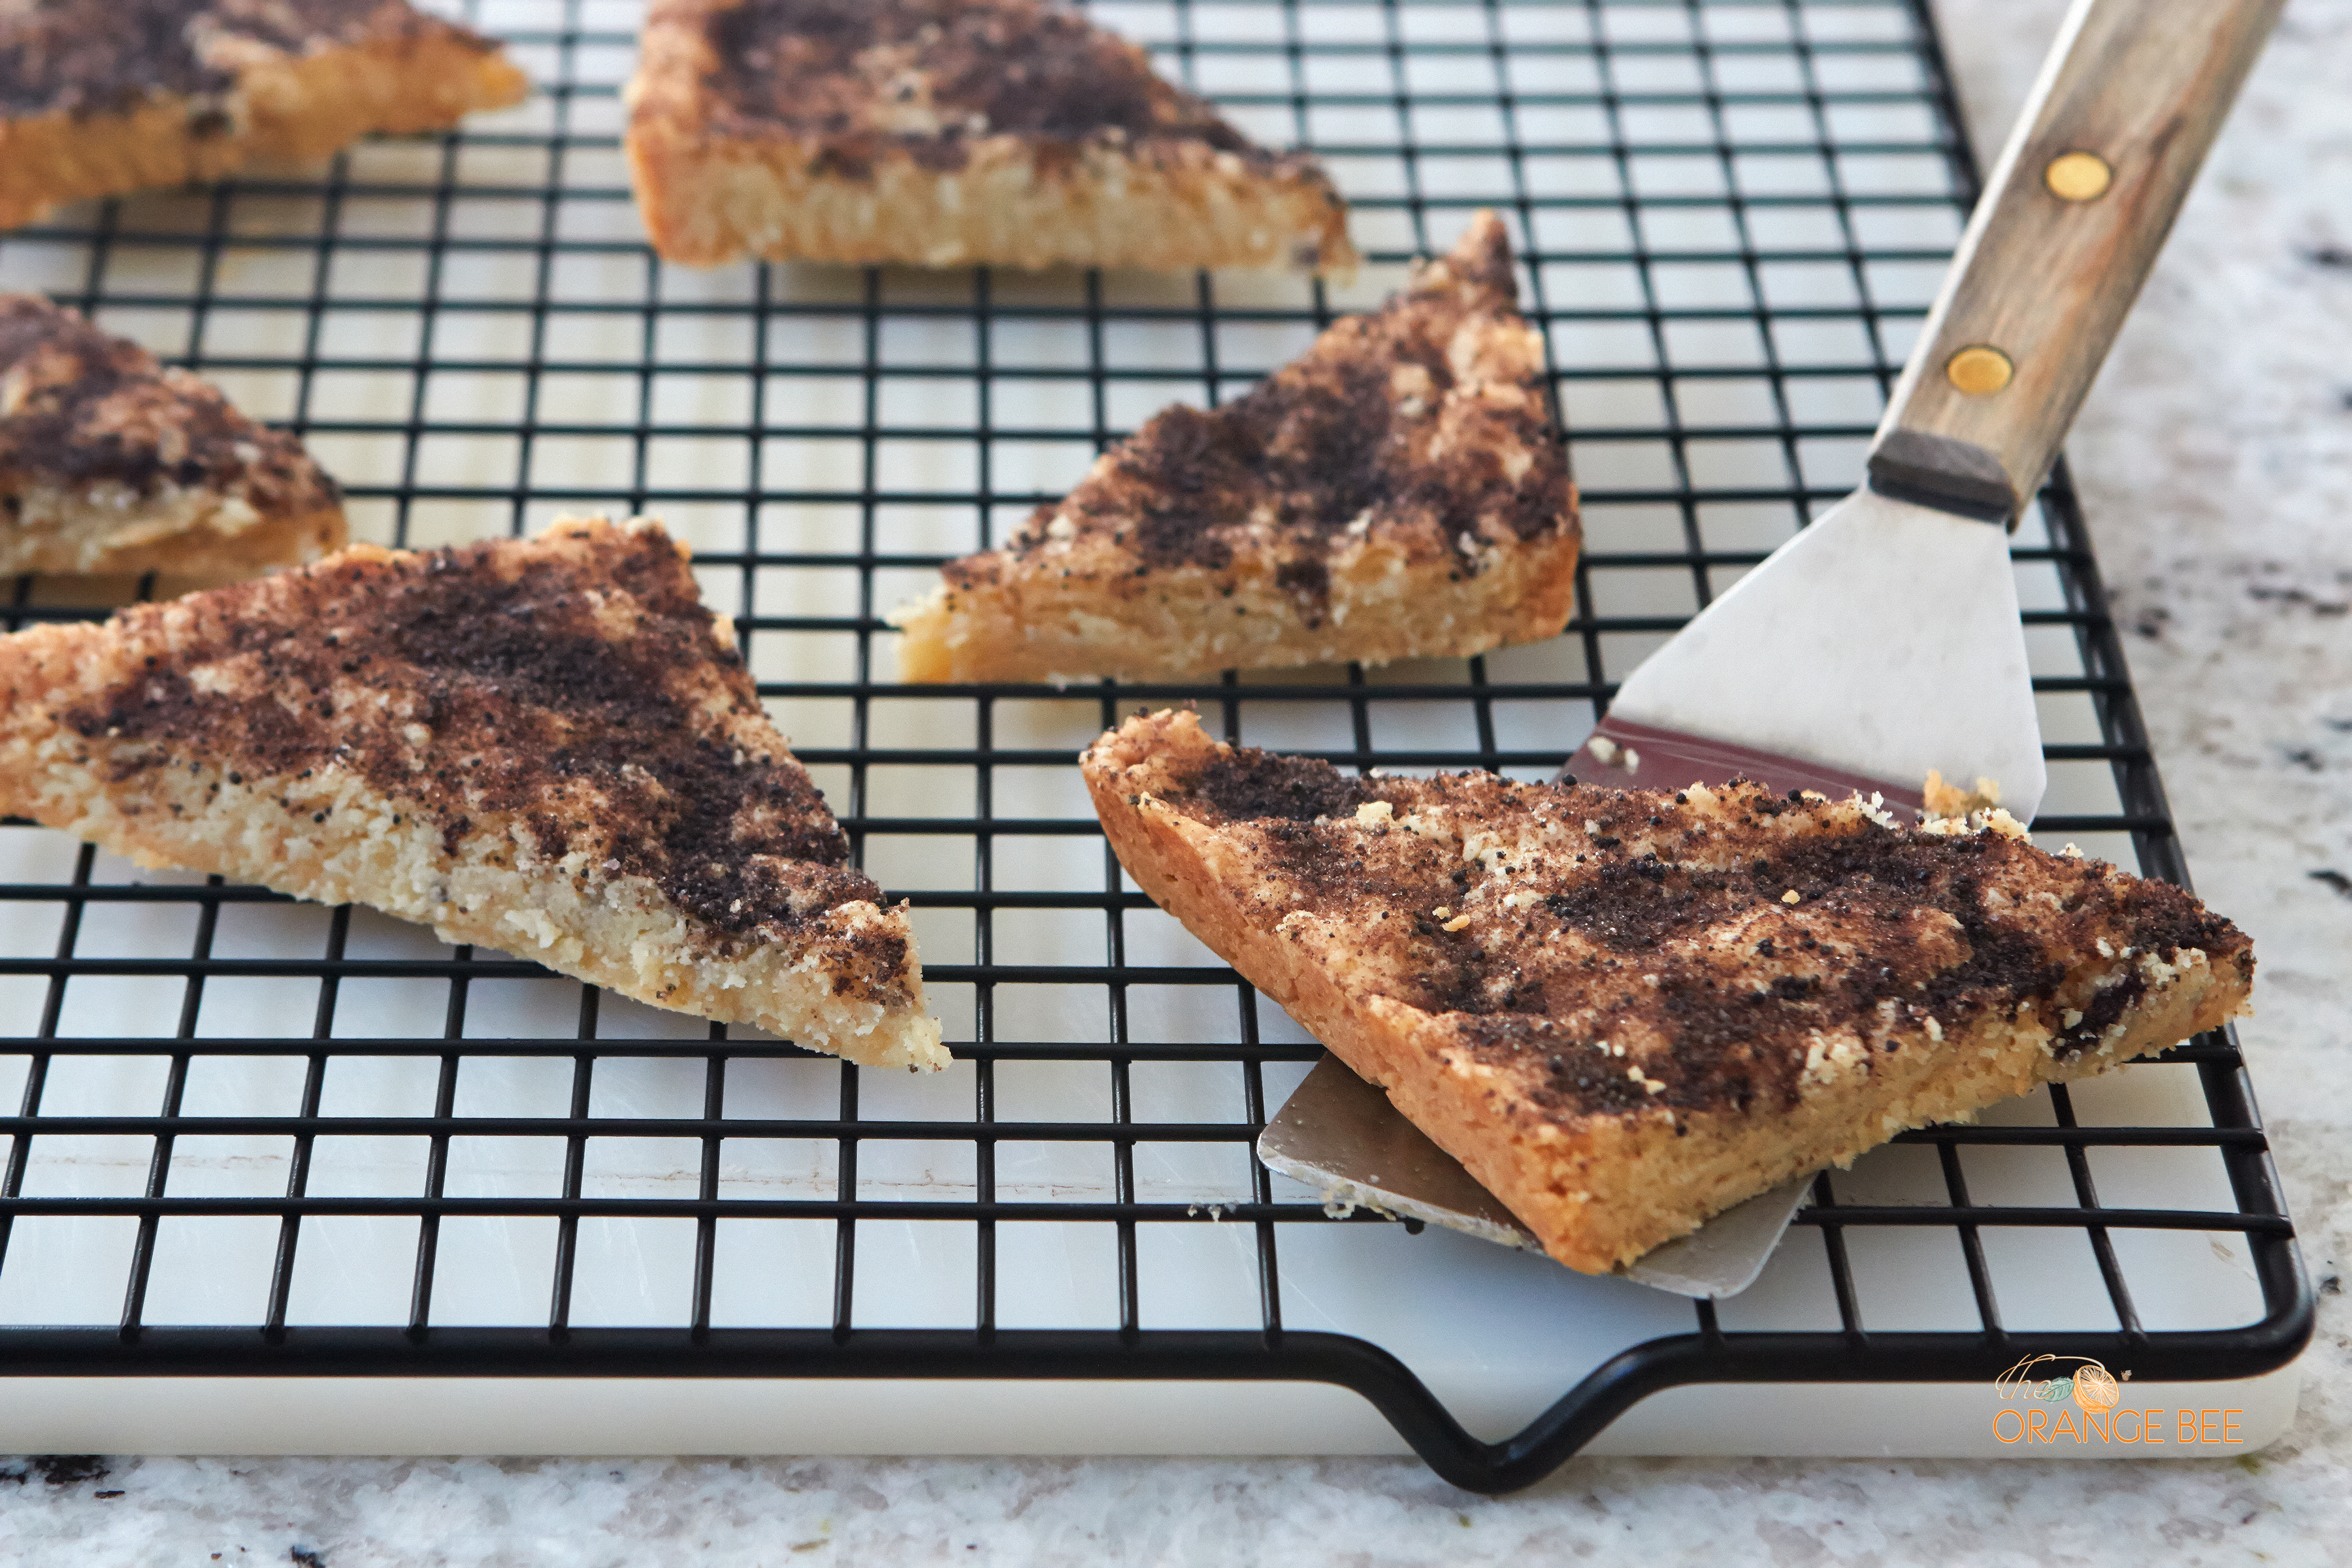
point(2092, 1386)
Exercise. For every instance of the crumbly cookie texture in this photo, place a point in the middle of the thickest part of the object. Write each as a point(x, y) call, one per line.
point(100, 96)
point(548, 747)
point(108, 462)
point(1395, 493)
point(1939, 799)
point(946, 133)
point(1625, 1011)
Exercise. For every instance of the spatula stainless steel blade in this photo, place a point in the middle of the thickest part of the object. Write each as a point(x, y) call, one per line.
point(1884, 640)
point(1880, 643)
point(1339, 1135)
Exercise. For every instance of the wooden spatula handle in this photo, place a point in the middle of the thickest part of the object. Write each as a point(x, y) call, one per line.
point(2129, 100)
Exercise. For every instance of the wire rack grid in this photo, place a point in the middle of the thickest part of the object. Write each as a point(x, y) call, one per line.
point(253, 1136)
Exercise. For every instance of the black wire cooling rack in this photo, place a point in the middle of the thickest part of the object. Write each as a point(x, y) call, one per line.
point(255, 1137)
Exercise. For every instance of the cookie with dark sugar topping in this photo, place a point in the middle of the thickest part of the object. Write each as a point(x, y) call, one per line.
point(949, 132)
point(548, 747)
point(1395, 493)
point(1625, 1011)
point(99, 97)
point(108, 462)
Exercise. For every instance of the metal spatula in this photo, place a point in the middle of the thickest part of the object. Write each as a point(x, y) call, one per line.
point(1885, 640)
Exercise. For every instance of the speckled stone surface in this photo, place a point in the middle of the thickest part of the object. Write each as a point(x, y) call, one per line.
point(2215, 460)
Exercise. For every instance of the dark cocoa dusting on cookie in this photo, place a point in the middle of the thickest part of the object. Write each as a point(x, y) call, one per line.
point(1645, 917)
point(80, 407)
point(583, 701)
point(107, 57)
point(1253, 786)
point(1369, 433)
point(930, 78)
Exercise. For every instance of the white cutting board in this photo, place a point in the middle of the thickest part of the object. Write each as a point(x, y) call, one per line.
point(623, 1416)
point(1497, 1335)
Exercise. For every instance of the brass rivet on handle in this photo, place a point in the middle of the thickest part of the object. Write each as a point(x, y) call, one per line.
point(2078, 176)
point(1979, 371)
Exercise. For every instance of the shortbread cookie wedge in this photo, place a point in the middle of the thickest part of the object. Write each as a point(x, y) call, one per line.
point(1395, 493)
point(548, 747)
point(101, 97)
point(108, 462)
point(947, 134)
point(1625, 1011)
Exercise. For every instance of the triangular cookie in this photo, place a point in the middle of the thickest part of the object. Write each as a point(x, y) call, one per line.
point(110, 463)
point(1625, 1011)
point(548, 747)
point(99, 97)
point(949, 132)
point(1395, 493)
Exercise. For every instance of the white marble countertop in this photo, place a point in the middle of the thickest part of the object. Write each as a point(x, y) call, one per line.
point(2215, 462)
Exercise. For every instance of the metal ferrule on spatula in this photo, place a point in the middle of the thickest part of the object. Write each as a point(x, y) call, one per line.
point(1884, 641)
